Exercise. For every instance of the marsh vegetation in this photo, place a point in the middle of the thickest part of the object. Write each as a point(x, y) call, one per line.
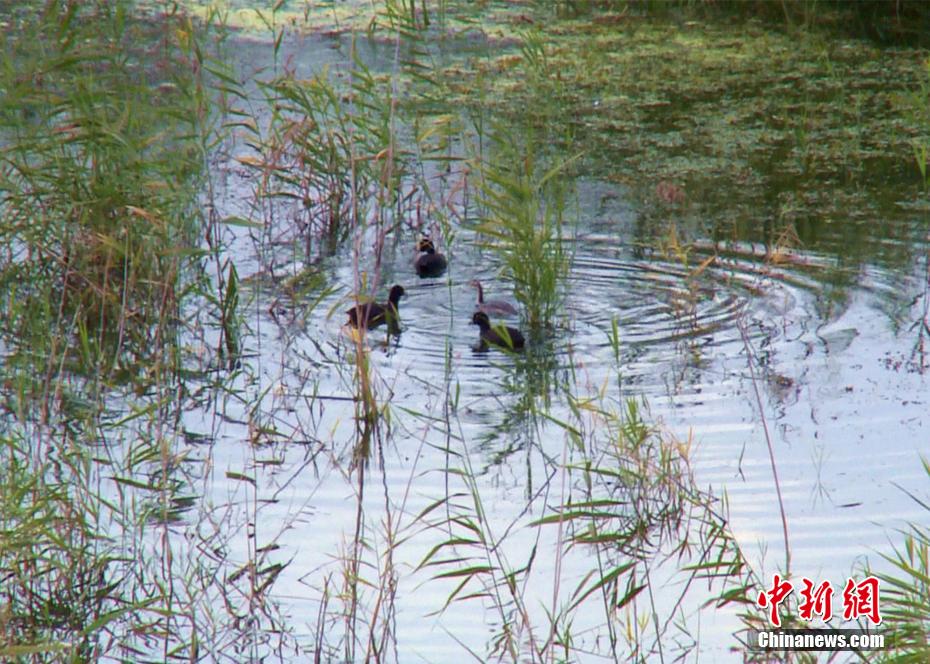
point(714, 225)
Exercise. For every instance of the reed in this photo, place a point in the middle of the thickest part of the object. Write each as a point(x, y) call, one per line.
point(104, 127)
point(327, 158)
point(905, 592)
point(99, 183)
point(521, 218)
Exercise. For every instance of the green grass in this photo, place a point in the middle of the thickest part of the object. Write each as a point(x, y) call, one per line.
point(521, 211)
point(905, 593)
point(102, 165)
point(104, 129)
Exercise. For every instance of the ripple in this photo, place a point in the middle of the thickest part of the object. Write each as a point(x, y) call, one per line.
point(686, 332)
point(668, 314)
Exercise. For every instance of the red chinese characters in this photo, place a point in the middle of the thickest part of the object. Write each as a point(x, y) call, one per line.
point(772, 598)
point(816, 601)
point(860, 600)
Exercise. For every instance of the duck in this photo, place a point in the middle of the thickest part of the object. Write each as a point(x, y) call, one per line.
point(373, 314)
point(506, 337)
point(429, 263)
point(499, 307)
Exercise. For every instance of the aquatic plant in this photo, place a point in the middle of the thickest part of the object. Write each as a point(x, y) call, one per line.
point(905, 593)
point(99, 183)
point(105, 127)
point(521, 211)
point(619, 493)
point(329, 155)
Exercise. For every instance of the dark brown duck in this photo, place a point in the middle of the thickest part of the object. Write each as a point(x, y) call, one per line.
point(429, 263)
point(373, 314)
point(498, 335)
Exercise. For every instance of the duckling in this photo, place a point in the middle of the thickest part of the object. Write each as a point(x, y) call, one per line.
point(429, 263)
point(499, 307)
point(507, 337)
point(373, 314)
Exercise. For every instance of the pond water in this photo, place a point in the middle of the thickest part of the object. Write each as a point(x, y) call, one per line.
point(836, 382)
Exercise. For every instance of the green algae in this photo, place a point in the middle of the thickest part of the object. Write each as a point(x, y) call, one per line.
point(749, 121)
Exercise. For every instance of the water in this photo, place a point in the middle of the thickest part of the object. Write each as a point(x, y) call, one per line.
point(840, 389)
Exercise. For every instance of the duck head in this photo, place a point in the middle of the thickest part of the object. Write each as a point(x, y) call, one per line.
point(397, 292)
point(481, 320)
point(426, 245)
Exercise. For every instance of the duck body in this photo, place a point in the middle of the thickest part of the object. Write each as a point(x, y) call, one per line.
point(373, 314)
point(429, 263)
point(505, 337)
point(497, 307)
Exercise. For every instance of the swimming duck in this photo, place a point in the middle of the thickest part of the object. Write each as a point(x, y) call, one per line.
point(506, 337)
point(373, 314)
point(499, 307)
point(429, 263)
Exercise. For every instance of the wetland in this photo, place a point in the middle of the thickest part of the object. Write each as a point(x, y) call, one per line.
point(713, 223)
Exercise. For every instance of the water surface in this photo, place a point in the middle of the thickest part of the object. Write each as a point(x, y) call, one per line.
point(836, 385)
